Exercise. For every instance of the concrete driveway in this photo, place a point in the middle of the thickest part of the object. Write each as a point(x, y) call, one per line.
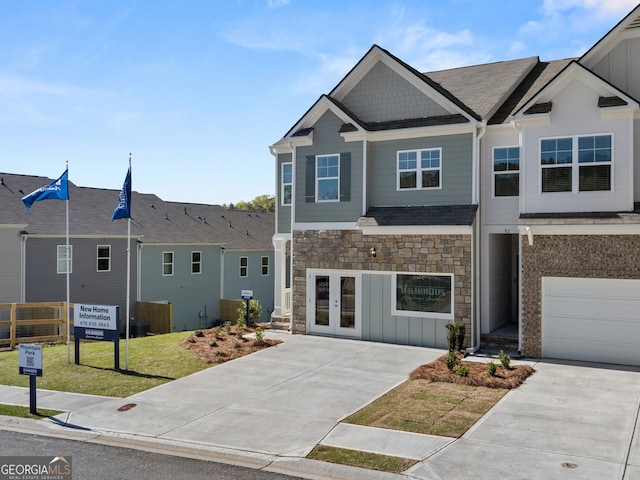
point(568, 421)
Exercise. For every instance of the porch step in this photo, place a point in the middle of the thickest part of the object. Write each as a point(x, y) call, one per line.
point(494, 343)
point(279, 323)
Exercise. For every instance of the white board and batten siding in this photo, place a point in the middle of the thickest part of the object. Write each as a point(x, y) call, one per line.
point(595, 320)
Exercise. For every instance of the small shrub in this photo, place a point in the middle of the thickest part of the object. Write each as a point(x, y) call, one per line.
point(255, 311)
point(455, 336)
point(451, 360)
point(237, 344)
point(505, 359)
point(218, 331)
point(240, 328)
point(259, 334)
point(460, 336)
point(199, 333)
point(492, 368)
point(213, 343)
point(227, 326)
point(462, 370)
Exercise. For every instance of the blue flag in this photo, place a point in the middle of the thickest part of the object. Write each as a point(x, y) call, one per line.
point(56, 190)
point(123, 210)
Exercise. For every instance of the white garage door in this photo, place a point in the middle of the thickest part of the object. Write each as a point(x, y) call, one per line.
point(590, 319)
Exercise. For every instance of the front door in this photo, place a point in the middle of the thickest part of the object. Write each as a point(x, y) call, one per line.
point(334, 303)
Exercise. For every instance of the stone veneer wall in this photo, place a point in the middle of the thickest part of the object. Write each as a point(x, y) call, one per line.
point(586, 256)
point(350, 250)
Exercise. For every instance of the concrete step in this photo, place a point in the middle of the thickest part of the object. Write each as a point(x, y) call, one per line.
point(278, 325)
point(495, 343)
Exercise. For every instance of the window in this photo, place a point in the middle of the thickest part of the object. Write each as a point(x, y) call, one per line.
point(104, 258)
point(576, 164)
point(196, 262)
point(506, 171)
point(287, 183)
point(419, 169)
point(244, 266)
point(328, 178)
point(61, 258)
point(265, 266)
point(424, 295)
point(167, 263)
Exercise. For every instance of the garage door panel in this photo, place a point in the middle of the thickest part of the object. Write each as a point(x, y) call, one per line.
point(591, 319)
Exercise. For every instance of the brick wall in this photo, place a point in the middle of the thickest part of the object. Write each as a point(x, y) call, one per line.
point(586, 256)
point(350, 250)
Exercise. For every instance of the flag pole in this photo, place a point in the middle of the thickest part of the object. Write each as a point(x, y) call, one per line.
point(68, 265)
point(126, 350)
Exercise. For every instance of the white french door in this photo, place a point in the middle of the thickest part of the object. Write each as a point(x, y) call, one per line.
point(333, 303)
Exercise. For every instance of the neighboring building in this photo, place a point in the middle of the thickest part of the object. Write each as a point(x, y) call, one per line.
point(502, 196)
point(177, 251)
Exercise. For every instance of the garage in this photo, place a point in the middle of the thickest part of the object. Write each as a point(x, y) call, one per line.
point(596, 320)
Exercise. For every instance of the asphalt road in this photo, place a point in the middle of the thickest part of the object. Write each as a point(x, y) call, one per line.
point(101, 462)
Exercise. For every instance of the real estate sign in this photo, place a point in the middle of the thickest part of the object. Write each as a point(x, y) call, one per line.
point(30, 359)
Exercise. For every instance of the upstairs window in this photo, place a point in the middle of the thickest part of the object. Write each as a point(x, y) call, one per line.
point(196, 262)
point(104, 258)
point(419, 169)
point(328, 178)
point(244, 266)
point(506, 172)
point(167, 263)
point(287, 183)
point(265, 266)
point(62, 260)
point(576, 164)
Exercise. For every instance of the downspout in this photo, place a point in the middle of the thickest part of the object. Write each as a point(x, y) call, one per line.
point(475, 242)
point(23, 268)
point(518, 128)
point(292, 221)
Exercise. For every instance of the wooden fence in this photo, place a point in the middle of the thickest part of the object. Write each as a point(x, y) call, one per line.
point(33, 323)
point(157, 315)
point(229, 309)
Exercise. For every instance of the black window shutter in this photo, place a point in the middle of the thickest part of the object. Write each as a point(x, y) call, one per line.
point(345, 177)
point(310, 180)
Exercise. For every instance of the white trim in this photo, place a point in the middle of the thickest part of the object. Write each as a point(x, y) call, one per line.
point(591, 229)
point(240, 267)
point(199, 262)
point(297, 226)
point(364, 178)
point(283, 184)
point(21, 226)
point(68, 260)
point(418, 230)
point(414, 132)
point(172, 263)
point(98, 257)
point(262, 265)
point(319, 179)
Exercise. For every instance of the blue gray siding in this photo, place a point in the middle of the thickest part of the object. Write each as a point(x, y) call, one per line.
point(195, 297)
point(379, 325)
point(86, 284)
point(10, 256)
point(262, 285)
point(283, 219)
point(327, 140)
point(457, 166)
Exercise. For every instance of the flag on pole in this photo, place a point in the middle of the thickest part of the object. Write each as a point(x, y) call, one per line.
point(56, 190)
point(123, 210)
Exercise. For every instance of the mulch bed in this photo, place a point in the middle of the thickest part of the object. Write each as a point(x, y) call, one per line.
point(227, 346)
point(478, 376)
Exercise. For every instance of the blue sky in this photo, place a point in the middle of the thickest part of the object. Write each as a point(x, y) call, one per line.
point(197, 90)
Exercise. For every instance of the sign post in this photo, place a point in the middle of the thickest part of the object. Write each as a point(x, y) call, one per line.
point(30, 363)
point(97, 322)
point(247, 295)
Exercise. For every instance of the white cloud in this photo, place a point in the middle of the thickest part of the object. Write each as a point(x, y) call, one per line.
point(277, 3)
point(11, 85)
point(606, 7)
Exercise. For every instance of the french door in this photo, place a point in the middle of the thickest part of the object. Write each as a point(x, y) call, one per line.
point(333, 303)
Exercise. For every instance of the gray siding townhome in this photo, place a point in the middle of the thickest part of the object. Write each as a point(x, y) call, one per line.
point(503, 195)
point(177, 251)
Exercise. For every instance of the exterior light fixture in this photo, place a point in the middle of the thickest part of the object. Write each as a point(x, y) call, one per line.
point(373, 252)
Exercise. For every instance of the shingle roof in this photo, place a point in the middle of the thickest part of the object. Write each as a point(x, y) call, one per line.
point(156, 220)
point(482, 87)
point(446, 215)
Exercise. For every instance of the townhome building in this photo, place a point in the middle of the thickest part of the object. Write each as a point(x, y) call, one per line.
point(184, 254)
point(503, 196)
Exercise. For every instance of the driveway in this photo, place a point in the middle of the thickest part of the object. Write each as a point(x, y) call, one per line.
point(568, 421)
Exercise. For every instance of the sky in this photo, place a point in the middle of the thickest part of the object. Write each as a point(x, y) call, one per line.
point(197, 90)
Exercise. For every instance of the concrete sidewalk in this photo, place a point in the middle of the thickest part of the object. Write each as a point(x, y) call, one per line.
point(270, 409)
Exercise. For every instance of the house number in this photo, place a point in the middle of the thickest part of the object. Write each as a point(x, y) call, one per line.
point(507, 230)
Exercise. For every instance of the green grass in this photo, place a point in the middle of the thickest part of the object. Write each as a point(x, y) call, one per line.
point(435, 408)
point(16, 411)
point(153, 360)
point(372, 461)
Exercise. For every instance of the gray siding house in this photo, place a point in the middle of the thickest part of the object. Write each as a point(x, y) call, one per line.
point(177, 251)
point(504, 196)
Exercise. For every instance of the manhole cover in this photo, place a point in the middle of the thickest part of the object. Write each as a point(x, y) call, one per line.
point(126, 407)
